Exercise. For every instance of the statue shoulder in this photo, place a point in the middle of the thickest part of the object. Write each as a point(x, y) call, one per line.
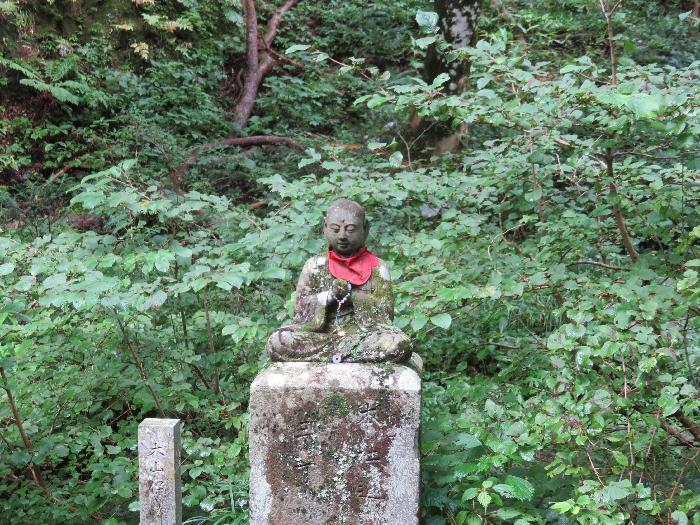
point(316, 263)
point(383, 270)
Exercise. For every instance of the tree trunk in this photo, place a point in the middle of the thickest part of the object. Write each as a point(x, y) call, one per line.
point(457, 21)
point(259, 59)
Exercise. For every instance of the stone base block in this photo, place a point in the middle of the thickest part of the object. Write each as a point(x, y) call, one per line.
point(334, 444)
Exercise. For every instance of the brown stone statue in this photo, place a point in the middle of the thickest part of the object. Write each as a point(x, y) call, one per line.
point(344, 303)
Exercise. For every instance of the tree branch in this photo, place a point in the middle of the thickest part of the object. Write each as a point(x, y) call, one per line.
point(688, 424)
point(34, 469)
point(619, 219)
point(275, 19)
point(595, 263)
point(255, 140)
point(676, 433)
point(210, 342)
point(608, 13)
point(283, 58)
point(250, 86)
point(141, 368)
point(256, 69)
point(36, 473)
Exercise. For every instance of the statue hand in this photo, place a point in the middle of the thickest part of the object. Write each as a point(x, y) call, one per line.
point(339, 287)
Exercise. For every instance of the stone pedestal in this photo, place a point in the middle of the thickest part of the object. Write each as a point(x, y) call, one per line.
point(334, 444)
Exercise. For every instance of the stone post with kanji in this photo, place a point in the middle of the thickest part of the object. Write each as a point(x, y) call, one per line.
point(160, 494)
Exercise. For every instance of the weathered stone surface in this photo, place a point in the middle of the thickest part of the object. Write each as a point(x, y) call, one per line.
point(334, 444)
point(159, 472)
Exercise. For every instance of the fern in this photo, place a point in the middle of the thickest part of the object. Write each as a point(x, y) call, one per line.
point(153, 20)
point(59, 93)
point(22, 67)
point(59, 69)
point(90, 95)
point(7, 8)
point(56, 71)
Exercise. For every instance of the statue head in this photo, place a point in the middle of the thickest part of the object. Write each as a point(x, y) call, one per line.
point(346, 227)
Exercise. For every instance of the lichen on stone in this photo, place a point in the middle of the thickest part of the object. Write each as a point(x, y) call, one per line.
point(336, 405)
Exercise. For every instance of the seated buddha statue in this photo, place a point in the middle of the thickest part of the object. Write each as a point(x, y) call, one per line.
point(344, 304)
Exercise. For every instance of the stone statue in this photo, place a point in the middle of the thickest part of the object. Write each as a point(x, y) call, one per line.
point(344, 303)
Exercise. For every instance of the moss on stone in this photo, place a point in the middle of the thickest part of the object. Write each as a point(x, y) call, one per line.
point(336, 405)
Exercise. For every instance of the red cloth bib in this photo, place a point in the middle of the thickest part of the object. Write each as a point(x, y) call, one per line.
point(356, 269)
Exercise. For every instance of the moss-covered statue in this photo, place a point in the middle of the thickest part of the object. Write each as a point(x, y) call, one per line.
point(344, 303)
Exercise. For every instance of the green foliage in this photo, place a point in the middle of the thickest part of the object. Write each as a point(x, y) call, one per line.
point(561, 380)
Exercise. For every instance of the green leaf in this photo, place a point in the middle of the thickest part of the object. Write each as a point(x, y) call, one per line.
point(484, 498)
point(615, 491)
point(229, 280)
point(643, 105)
point(504, 490)
point(669, 404)
point(396, 159)
point(620, 458)
point(6, 269)
point(295, 48)
point(439, 80)
point(57, 280)
point(229, 329)
point(22, 67)
point(61, 450)
point(443, 320)
point(493, 409)
point(507, 514)
point(570, 68)
point(467, 440)
point(693, 164)
point(427, 19)
point(163, 260)
point(376, 100)
point(522, 489)
point(157, 299)
point(89, 199)
point(424, 42)
point(470, 494)
point(313, 157)
point(124, 491)
point(274, 273)
point(534, 195)
point(563, 506)
point(418, 322)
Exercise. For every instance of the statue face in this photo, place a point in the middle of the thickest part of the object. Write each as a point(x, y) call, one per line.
point(345, 231)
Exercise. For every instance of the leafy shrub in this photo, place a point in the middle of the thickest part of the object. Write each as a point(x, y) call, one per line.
point(547, 270)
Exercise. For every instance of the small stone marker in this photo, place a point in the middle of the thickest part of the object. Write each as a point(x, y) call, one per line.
point(334, 444)
point(159, 472)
